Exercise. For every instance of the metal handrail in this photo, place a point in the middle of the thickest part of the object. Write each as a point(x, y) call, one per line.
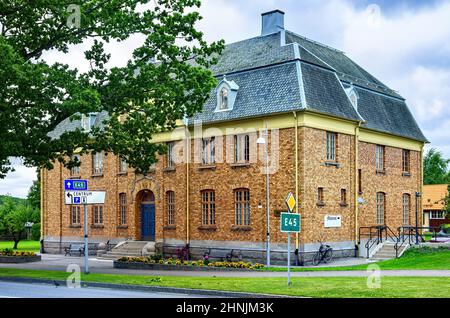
point(388, 233)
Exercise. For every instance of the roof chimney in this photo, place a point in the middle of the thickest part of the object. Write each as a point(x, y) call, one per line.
point(272, 22)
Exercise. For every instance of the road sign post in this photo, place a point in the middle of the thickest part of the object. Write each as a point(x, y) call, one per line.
point(290, 222)
point(86, 240)
point(76, 193)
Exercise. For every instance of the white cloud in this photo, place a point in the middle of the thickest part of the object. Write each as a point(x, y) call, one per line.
point(18, 182)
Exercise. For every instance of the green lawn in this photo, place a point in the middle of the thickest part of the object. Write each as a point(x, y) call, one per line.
point(342, 287)
point(421, 258)
point(26, 246)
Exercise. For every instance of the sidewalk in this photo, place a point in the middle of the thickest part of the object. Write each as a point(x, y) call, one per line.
point(60, 262)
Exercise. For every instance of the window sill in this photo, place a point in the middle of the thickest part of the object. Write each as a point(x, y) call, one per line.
point(170, 228)
point(343, 205)
point(122, 174)
point(382, 172)
point(320, 204)
point(97, 226)
point(240, 164)
point(77, 176)
point(75, 226)
point(241, 228)
point(206, 167)
point(207, 228)
point(406, 174)
point(332, 164)
point(97, 175)
point(169, 169)
point(122, 227)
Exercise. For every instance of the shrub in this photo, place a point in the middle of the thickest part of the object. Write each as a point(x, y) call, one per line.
point(36, 232)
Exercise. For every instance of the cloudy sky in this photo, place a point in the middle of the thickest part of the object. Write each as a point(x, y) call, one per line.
point(404, 43)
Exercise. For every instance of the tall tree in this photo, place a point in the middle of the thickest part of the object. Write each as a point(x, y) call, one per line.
point(435, 168)
point(34, 193)
point(13, 217)
point(167, 78)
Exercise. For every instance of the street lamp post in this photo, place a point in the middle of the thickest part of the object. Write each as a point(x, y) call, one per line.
point(262, 141)
point(418, 195)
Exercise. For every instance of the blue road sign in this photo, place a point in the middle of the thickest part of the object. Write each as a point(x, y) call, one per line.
point(76, 200)
point(71, 184)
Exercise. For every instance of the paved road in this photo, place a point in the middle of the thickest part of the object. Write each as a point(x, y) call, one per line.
point(59, 262)
point(21, 290)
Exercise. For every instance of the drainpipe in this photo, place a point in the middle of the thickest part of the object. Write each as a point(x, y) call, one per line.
point(296, 186)
point(187, 182)
point(356, 183)
point(41, 175)
point(61, 198)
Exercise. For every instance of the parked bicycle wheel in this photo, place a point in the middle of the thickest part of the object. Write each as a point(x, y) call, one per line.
point(328, 256)
point(317, 258)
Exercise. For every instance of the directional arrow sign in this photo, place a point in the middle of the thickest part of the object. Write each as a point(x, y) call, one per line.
point(72, 184)
point(85, 197)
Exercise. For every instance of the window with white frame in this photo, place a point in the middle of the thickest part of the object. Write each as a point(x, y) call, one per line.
point(242, 206)
point(208, 207)
point(88, 121)
point(437, 215)
point(123, 165)
point(208, 151)
point(331, 146)
point(381, 205)
point(97, 211)
point(123, 208)
point(406, 208)
point(75, 215)
point(241, 148)
point(223, 97)
point(170, 197)
point(97, 163)
point(75, 171)
point(379, 158)
point(170, 155)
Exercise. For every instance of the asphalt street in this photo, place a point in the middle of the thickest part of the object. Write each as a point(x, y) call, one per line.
point(22, 290)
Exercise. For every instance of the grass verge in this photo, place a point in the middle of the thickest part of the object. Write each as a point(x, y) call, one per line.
point(334, 287)
point(25, 246)
point(424, 258)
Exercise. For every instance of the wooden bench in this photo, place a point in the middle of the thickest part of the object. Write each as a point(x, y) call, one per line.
point(223, 254)
point(75, 248)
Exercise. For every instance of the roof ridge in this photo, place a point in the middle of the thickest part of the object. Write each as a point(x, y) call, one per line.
point(315, 42)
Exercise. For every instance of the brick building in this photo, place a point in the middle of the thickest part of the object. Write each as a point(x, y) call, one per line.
point(433, 202)
point(341, 141)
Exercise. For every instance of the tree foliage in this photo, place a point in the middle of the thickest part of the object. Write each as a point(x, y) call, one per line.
point(166, 79)
point(435, 168)
point(14, 216)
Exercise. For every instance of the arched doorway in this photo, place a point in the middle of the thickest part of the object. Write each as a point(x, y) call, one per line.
point(147, 210)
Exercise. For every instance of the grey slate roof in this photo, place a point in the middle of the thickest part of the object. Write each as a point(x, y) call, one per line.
point(300, 74)
point(68, 125)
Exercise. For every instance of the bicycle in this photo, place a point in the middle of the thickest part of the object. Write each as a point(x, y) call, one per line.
point(325, 254)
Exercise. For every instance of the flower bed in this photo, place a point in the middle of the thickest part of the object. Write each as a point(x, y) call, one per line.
point(175, 264)
point(11, 256)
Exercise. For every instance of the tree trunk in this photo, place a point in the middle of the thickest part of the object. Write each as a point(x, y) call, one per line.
point(15, 244)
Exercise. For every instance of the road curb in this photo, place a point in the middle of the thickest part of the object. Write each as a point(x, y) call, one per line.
point(204, 292)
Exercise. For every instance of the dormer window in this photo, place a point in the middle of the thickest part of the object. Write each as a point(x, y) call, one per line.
point(226, 95)
point(223, 99)
point(87, 121)
point(352, 96)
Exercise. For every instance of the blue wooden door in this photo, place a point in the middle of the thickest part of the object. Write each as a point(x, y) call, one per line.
point(148, 222)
